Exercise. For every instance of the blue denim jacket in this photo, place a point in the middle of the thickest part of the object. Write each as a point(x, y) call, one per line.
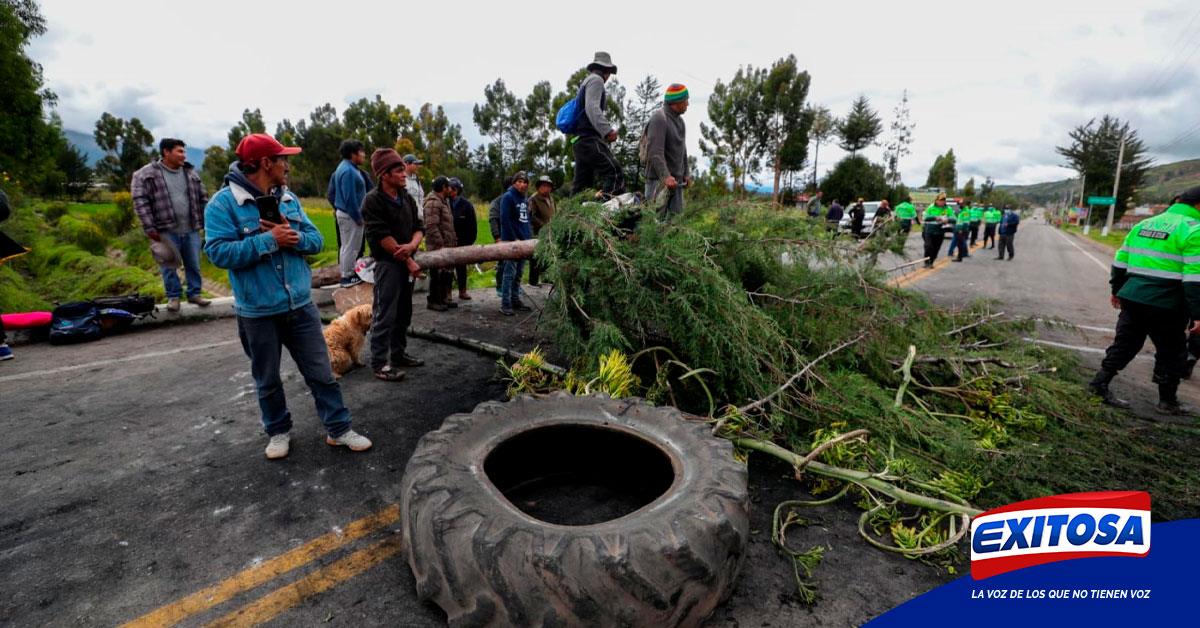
point(266, 280)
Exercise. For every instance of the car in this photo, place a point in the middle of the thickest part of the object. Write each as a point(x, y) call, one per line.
point(869, 209)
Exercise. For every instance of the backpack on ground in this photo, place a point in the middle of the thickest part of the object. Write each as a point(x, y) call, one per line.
point(136, 304)
point(76, 321)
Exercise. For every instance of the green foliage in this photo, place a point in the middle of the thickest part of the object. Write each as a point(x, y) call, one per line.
point(853, 177)
point(897, 146)
point(860, 127)
point(53, 211)
point(83, 233)
point(1093, 153)
point(944, 173)
point(968, 190)
point(128, 146)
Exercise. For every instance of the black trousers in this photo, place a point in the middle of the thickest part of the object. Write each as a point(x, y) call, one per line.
point(460, 274)
point(536, 269)
point(906, 225)
point(391, 313)
point(1006, 244)
point(974, 231)
point(934, 237)
point(989, 233)
point(1167, 329)
point(962, 236)
point(596, 167)
point(440, 282)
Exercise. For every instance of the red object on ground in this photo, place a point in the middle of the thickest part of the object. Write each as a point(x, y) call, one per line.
point(25, 320)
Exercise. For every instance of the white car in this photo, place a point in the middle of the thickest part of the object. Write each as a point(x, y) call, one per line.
point(869, 208)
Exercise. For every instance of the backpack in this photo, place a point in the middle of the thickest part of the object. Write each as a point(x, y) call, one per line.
point(76, 321)
point(135, 304)
point(567, 119)
point(644, 146)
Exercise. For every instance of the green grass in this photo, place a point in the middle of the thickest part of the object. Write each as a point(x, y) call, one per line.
point(1114, 239)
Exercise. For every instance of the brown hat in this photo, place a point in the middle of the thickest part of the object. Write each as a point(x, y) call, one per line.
point(520, 176)
point(383, 160)
point(545, 180)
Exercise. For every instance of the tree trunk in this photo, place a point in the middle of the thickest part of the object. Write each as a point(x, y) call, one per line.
point(459, 255)
point(775, 191)
point(816, 153)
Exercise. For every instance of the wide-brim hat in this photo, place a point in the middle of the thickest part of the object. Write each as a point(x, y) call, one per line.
point(165, 253)
point(544, 179)
point(603, 61)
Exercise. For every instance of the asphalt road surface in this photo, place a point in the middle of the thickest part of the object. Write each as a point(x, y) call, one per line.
point(1056, 276)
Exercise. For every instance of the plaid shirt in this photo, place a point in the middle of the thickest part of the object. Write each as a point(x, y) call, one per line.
point(152, 201)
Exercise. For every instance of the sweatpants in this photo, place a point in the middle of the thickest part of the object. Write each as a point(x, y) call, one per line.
point(350, 243)
point(1167, 329)
point(596, 167)
point(391, 313)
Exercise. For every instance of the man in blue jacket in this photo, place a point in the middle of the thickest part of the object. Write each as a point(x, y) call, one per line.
point(514, 226)
point(349, 188)
point(271, 283)
point(1008, 231)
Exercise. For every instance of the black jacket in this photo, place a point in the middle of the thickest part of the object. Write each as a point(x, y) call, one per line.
point(384, 216)
point(465, 227)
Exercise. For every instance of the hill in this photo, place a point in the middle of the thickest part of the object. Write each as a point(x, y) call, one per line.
point(93, 153)
point(1162, 182)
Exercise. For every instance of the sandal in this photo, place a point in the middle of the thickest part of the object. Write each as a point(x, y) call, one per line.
point(389, 374)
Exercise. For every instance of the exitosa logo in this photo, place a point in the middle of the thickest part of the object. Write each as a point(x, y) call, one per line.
point(1061, 527)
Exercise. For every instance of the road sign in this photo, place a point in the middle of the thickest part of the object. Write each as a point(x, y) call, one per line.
point(1101, 200)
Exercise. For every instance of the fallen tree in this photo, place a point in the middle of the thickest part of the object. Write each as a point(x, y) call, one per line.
point(474, 254)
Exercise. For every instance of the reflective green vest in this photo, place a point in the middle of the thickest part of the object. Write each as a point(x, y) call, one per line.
point(964, 220)
point(906, 210)
point(933, 212)
point(976, 214)
point(992, 216)
point(1161, 256)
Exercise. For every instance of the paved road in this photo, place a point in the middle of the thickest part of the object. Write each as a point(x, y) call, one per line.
point(1058, 276)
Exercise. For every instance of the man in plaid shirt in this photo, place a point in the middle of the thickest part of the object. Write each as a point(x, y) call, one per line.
point(169, 199)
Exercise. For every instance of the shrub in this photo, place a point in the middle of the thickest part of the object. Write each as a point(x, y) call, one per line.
point(124, 203)
point(113, 220)
point(83, 233)
point(54, 211)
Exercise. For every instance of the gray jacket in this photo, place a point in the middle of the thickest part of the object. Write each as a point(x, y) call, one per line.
point(666, 145)
point(593, 96)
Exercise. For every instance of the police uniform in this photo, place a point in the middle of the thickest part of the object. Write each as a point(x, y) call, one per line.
point(991, 218)
point(1156, 276)
point(932, 232)
point(907, 214)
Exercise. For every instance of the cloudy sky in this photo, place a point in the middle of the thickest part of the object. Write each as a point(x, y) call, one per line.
point(999, 82)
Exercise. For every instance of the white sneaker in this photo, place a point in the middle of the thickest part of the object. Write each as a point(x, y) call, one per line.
point(351, 439)
point(278, 447)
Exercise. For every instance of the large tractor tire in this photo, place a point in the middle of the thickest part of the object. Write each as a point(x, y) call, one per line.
point(574, 511)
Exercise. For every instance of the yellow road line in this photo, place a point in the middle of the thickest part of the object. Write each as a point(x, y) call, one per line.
point(917, 275)
point(247, 579)
point(280, 600)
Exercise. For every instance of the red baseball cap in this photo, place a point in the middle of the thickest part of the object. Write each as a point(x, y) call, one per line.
point(258, 145)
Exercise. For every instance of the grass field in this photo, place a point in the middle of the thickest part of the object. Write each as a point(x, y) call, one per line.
point(1114, 239)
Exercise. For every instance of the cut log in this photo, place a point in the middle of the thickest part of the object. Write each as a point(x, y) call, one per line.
point(325, 275)
point(459, 255)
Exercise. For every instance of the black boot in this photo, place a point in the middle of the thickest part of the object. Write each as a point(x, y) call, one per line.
point(1191, 366)
point(1168, 401)
point(1099, 387)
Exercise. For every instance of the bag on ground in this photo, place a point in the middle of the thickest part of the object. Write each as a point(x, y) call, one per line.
point(135, 304)
point(76, 321)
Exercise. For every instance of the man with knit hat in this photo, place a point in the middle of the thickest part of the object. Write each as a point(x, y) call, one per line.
point(393, 231)
point(666, 153)
point(271, 281)
point(595, 165)
point(1156, 285)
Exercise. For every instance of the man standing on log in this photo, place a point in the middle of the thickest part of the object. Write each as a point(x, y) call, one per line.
point(514, 226)
point(594, 160)
point(393, 231)
point(666, 153)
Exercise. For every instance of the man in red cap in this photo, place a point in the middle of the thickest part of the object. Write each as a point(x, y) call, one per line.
point(271, 282)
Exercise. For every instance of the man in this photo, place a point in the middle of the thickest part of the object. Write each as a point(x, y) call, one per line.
point(1155, 282)
point(541, 212)
point(393, 233)
point(857, 214)
point(907, 213)
point(931, 231)
point(961, 235)
point(991, 219)
point(514, 226)
point(595, 164)
point(1008, 230)
point(465, 230)
point(412, 182)
point(349, 189)
point(170, 199)
point(439, 234)
point(834, 216)
point(976, 217)
point(494, 227)
point(271, 289)
point(814, 206)
point(666, 153)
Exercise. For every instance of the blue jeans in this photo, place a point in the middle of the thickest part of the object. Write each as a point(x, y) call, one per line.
point(500, 279)
point(299, 330)
point(510, 291)
point(189, 249)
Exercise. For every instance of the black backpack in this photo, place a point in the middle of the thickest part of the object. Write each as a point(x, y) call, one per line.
point(76, 321)
point(136, 304)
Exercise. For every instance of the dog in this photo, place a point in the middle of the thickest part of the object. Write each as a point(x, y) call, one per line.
point(344, 338)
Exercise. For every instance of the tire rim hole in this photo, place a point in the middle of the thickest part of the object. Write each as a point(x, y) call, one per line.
point(578, 475)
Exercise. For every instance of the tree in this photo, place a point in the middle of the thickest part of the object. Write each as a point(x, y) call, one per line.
point(944, 173)
point(647, 98)
point(377, 124)
point(216, 164)
point(853, 177)
point(500, 118)
point(985, 190)
point(898, 144)
point(733, 142)
point(824, 127)
point(785, 119)
point(320, 136)
point(128, 145)
point(440, 143)
point(77, 176)
point(860, 127)
point(251, 122)
point(29, 142)
point(968, 191)
point(1093, 153)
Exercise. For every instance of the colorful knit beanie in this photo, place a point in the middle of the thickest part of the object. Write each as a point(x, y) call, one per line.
point(675, 93)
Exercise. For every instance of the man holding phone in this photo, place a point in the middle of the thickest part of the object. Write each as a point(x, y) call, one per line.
point(260, 234)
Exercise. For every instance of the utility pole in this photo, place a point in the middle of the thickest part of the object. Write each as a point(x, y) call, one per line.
point(1087, 218)
point(1116, 182)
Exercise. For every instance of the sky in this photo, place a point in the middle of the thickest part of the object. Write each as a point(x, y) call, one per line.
point(999, 82)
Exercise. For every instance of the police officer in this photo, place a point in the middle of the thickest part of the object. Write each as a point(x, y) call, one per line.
point(935, 217)
point(976, 215)
point(991, 219)
point(1156, 285)
point(907, 214)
